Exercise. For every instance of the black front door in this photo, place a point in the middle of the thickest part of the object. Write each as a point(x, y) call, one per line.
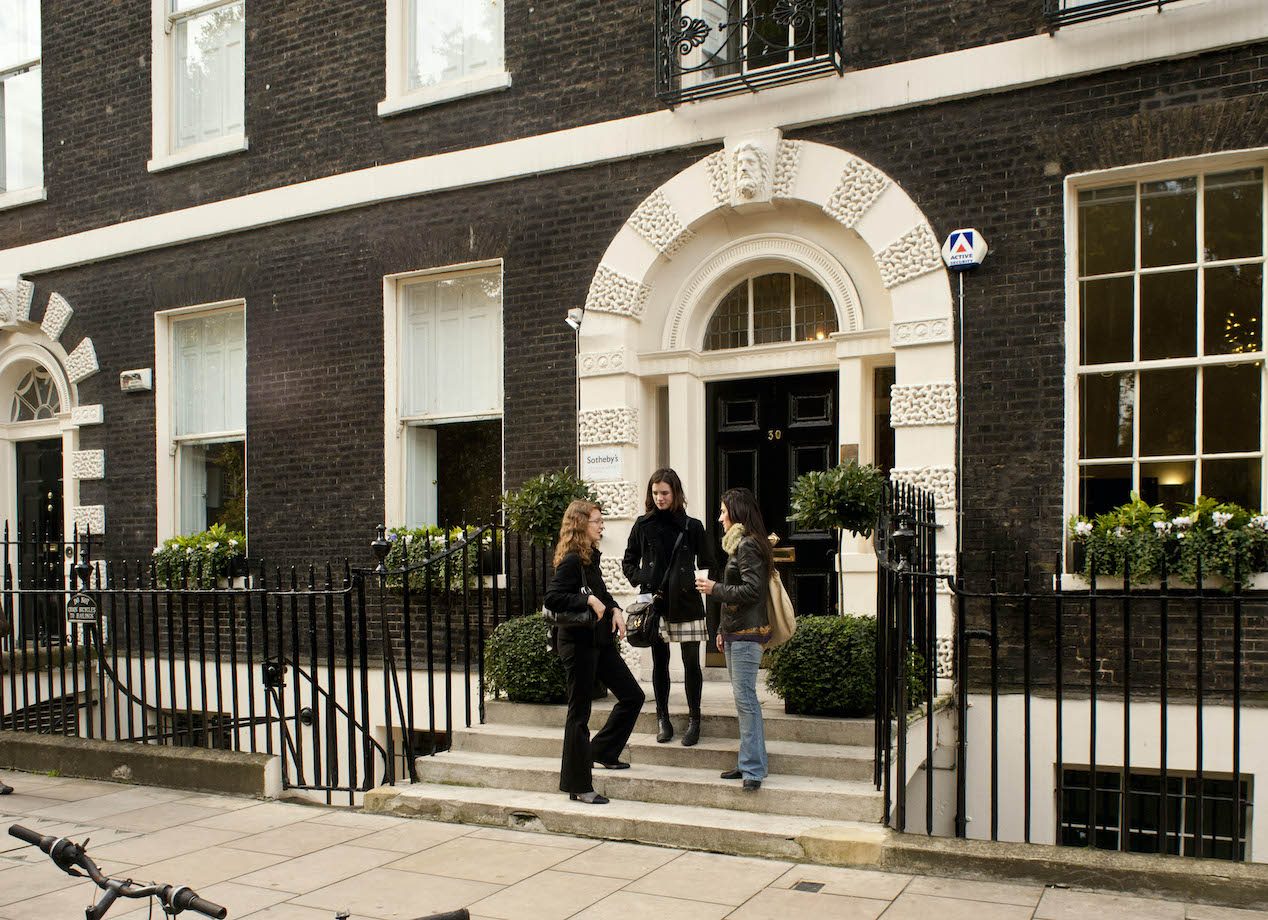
point(39, 494)
point(764, 433)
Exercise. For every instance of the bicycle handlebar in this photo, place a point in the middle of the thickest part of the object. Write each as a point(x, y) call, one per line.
point(70, 856)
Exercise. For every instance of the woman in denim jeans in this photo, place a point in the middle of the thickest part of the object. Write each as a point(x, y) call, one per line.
point(743, 624)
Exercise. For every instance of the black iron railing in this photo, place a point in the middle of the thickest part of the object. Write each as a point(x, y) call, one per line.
point(707, 48)
point(1065, 12)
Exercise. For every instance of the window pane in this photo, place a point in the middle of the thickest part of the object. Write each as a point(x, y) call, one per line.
point(1235, 215)
point(1105, 415)
point(1168, 222)
point(209, 75)
point(1168, 414)
point(19, 32)
point(1230, 408)
point(1105, 320)
point(1233, 480)
point(772, 308)
point(728, 328)
point(420, 476)
point(721, 45)
point(1168, 315)
point(210, 368)
point(816, 317)
point(1107, 230)
point(767, 37)
point(450, 41)
point(468, 471)
point(1234, 302)
point(1102, 488)
point(213, 486)
point(21, 132)
point(1167, 483)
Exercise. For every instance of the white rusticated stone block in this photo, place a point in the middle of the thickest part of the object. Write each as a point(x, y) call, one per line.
point(56, 315)
point(718, 167)
point(921, 332)
point(601, 363)
point(612, 292)
point(90, 519)
point(82, 362)
point(656, 221)
point(922, 404)
point(787, 163)
point(15, 302)
point(608, 426)
point(859, 187)
point(87, 415)
point(88, 464)
point(914, 254)
point(940, 480)
point(945, 651)
point(620, 500)
point(613, 577)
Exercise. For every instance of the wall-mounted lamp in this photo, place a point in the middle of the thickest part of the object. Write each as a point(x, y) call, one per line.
point(574, 317)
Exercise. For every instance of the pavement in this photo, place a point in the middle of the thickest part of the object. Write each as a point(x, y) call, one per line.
point(286, 861)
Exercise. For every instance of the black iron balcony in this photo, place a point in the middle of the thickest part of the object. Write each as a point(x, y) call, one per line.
point(1064, 12)
point(707, 48)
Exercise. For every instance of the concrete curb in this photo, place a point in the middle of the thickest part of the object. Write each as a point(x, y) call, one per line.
point(192, 768)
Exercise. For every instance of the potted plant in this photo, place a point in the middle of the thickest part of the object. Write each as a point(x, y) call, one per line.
point(216, 557)
point(844, 498)
point(537, 507)
point(411, 546)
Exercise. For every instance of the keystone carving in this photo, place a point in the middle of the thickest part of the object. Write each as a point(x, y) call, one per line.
point(15, 303)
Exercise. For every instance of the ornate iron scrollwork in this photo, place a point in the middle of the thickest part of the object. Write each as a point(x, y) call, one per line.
point(796, 13)
point(689, 34)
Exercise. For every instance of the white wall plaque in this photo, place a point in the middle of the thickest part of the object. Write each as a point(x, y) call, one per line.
point(602, 464)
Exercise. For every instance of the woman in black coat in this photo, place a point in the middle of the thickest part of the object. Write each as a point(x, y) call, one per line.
point(589, 650)
point(655, 548)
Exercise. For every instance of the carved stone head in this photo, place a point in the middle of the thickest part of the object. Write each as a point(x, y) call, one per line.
point(752, 167)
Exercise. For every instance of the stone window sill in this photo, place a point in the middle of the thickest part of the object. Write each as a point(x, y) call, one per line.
point(21, 196)
point(444, 92)
point(234, 143)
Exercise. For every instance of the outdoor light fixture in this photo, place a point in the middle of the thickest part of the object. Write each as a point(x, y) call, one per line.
point(901, 541)
point(574, 317)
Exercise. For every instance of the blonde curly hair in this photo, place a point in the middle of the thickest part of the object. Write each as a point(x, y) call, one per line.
point(573, 536)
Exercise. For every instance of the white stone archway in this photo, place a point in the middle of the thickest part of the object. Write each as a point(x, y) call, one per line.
point(807, 205)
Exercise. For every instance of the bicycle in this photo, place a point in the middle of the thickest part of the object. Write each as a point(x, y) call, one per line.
point(72, 857)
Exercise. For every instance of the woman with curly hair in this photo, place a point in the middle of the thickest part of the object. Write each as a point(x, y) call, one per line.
point(587, 651)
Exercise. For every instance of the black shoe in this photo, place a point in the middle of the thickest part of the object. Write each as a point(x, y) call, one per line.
point(733, 774)
point(613, 764)
point(752, 785)
point(692, 734)
point(589, 798)
point(666, 732)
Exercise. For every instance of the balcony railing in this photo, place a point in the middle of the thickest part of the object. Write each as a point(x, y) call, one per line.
point(1064, 12)
point(707, 48)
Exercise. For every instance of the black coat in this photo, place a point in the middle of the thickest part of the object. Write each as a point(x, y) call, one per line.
point(650, 543)
point(742, 592)
point(569, 591)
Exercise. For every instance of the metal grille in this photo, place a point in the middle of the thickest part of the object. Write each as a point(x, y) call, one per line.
point(1065, 12)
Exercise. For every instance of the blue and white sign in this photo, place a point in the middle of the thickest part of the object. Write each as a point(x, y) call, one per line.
point(964, 249)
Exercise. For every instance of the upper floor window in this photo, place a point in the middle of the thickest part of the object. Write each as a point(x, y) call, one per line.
point(1170, 351)
point(199, 76)
point(21, 121)
point(718, 47)
point(779, 307)
point(442, 49)
point(1062, 12)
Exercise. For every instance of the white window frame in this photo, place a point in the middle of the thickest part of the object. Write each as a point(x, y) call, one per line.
point(395, 423)
point(1153, 172)
point(164, 154)
point(399, 97)
point(31, 193)
point(166, 442)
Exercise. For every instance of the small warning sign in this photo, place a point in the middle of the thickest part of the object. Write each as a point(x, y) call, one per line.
point(964, 249)
point(81, 608)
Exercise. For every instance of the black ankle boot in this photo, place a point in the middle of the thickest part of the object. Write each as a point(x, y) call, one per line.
point(692, 734)
point(665, 729)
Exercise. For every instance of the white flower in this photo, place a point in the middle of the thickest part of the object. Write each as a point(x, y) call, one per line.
point(157, 550)
point(1120, 531)
point(1182, 520)
point(409, 538)
point(214, 545)
point(1163, 527)
point(1260, 521)
point(189, 552)
point(1181, 535)
point(233, 542)
point(1082, 528)
point(1221, 518)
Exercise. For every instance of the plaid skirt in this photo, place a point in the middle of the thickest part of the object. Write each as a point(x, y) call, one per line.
point(690, 631)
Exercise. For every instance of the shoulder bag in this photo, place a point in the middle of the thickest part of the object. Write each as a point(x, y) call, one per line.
point(569, 618)
point(782, 617)
point(642, 620)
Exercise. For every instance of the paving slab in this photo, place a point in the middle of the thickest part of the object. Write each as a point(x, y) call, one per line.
point(392, 894)
point(780, 904)
point(908, 906)
point(710, 877)
point(483, 860)
point(1063, 904)
point(549, 895)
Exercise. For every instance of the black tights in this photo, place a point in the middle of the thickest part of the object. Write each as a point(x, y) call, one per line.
point(693, 679)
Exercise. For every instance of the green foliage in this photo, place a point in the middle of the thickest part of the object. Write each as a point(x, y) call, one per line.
point(828, 667)
point(204, 556)
point(1142, 539)
point(518, 664)
point(411, 546)
point(846, 497)
point(537, 508)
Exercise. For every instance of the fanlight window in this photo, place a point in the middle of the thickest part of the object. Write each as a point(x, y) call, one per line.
point(35, 397)
point(782, 307)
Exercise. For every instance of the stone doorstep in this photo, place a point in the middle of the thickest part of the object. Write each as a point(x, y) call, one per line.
point(810, 840)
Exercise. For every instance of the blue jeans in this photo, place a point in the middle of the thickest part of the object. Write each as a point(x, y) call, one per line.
point(742, 661)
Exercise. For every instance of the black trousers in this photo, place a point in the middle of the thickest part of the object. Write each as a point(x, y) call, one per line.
point(692, 678)
point(583, 661)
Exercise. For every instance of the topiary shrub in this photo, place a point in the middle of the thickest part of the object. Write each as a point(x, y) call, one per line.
point(828, 668)
point(518, 664)
point(536, 509)
point(846, 497)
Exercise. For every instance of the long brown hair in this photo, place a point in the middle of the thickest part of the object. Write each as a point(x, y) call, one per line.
point(741, 508)
point(669, 478)
point(573, 536)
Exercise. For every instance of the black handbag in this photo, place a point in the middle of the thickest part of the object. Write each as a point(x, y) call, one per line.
point(567, 618)
point(642, 619)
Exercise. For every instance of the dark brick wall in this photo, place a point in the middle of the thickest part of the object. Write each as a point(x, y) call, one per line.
point(315, 76)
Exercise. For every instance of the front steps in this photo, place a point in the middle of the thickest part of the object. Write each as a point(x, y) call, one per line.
point(506, 773)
